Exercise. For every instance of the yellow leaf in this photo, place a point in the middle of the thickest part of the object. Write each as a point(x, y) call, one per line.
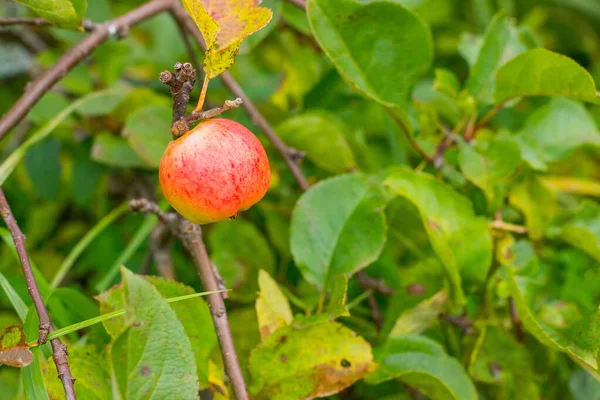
point(272, 308)
point(224, 24)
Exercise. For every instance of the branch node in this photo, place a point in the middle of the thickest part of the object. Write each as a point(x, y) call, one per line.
point(296, 155)
point(166, 77)
point(179, 128)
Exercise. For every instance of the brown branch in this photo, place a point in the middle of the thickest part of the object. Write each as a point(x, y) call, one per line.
point(520, 334)
point(191, 236)
point(88, 26)
point(59, 350)
point(181, 84)
point(505, 226)
point(226, 78)
point(378, 285)
point(36, 89)
point(461, 321)
point(413, 142)
point(486, 118)
point(213, 112)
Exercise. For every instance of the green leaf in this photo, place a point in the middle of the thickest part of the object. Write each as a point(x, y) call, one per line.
point(148, 132)
point(584, 386)
point(62, 13)
point(14, 298)
point(114, 151)
point(499, 360)
point(337, 302)
point(272, 307)
point(489, 163)
point(322, 137)
point(393, 50)
point(89, 366)
point(446, 82)
point(536, 201)
point(239, 250)
point(553, 131)
point(308, 361)
point(578, 341)
point(13, 160)
point(583, 230)
point(338, 226)
point(540, 72)
point(420, 317)
point(43, 167)
point(500, 44)
point(153, 355)
point(13, 347)
point(31, 375)
point(460, 239)
point(421, 363)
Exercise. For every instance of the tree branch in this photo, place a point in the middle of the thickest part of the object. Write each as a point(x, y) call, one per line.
point(87, 25)
point(180, 14)
point(36, 89)
point(191, 236)
point(519, 333)
point(59, 350)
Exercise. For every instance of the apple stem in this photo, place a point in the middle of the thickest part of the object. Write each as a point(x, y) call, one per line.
point(202, 94)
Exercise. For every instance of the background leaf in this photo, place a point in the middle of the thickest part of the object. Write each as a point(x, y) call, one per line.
point(63, 13)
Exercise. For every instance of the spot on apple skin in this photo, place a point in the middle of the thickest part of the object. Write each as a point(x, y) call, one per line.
point(214, 171)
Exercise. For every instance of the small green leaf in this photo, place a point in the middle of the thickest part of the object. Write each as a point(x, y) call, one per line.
point(337, 302)
point(306, 362)
point(553, 131)
point(422, 364)
point(338, 226)
point(393, 50)
point(272, 307)
point(489, 163)
point(446, 82)
point(13, 347)
point(540, 72)
point(421, 317)
point(239, 250)
point(62, 13)
point(536, 201)
point(460, 239)
point(114, 151)
point(148, 132)
point(583, 230)
point(322, 137)
point(153, 355)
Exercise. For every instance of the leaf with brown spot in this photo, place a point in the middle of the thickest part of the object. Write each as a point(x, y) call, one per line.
point(13, 347)
point(272, 307)
point(314, 360)
point(224, 25)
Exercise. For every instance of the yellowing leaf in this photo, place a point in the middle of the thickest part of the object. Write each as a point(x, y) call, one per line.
point(224, 24)
point(13, 347)
point(272, 308)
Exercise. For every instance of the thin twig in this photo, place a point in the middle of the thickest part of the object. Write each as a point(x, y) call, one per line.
point(299, 3)
point(519, 333)
point(191, 236)
point(249, 106)
point(213, 112)
point(59, 350)
point(505, 226)
point(87, 25)
point(486, 118)
point(410, 137)
point(36, 89)
point(461, 321)
point(379, 285)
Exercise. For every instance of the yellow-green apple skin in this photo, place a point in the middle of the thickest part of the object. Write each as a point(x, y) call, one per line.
point(213, 171)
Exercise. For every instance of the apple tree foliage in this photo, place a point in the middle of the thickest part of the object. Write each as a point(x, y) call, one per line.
point(452, 147)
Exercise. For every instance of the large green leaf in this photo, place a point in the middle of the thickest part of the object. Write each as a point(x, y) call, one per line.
point(461, 239)
point(380, 47)
point(488, 163)
point(308, 361)
point(153, 357)
point(499, 360)
point(239, 250)
point(420, 317)
point(148, 132)
point(540, 72)
point(322, 137)
point(583, 230)
point(272, 308)
point(63, 13)
point(421, 363)
point(193, 315)
point(114, 151)
point(552, 132)
point(536, 201)
point(338, 226)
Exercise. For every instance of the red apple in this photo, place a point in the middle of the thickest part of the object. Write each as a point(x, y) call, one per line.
point(213, 171)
